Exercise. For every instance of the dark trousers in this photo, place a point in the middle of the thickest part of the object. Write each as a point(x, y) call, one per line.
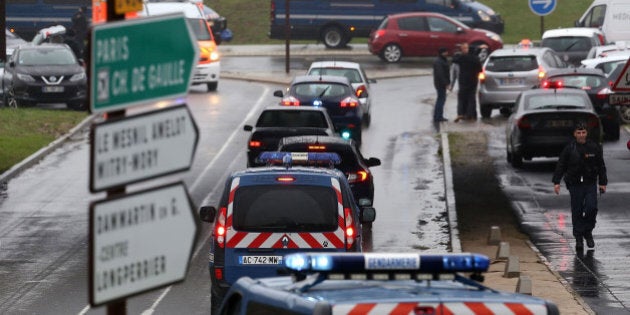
point(583, 208)
point(438, 112)
point(467, 103)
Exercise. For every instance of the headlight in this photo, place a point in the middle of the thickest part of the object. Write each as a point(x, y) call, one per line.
point(483, 16)
point(77, 77)
point(25, 77)
point(495, 37)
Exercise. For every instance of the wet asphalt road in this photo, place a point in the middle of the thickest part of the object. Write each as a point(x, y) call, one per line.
point(43, 213)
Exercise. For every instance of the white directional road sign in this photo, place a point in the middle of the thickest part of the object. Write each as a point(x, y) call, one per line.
point(141, 147)
point(140, 242)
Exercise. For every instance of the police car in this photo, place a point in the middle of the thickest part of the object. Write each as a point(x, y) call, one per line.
point(269, 212)
point(378, 283)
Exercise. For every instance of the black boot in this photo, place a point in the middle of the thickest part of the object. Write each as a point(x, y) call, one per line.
point(579, 243)
point(589, 241)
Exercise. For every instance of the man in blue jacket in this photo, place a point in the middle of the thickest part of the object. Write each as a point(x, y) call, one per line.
point(581, 163)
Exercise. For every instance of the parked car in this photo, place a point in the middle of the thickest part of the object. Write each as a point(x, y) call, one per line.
point(355, 73)
point(509, 71)
point(269, 212)
point(353, 164)
point(595, 83)
point(543, 121)
point(46, 73)
point(276, 122)
point(573, 43)
point(421, 34)
point(334, 93)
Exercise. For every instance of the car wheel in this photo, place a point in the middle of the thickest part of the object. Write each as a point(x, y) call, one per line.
point(10, 99)
point(517, 160)
point(216, 297)
point(367, 119)
point(624, 113)
point(486, 111)
point(333, 37)
point(391, 53)
point(212, 86)
point(506, 112)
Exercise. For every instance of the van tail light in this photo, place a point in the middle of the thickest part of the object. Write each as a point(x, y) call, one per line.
point(602, 39)
point(351, 232)
point(290, 101)
point(218, 273)
point(524, 123)
point(541, 73)
point(482, 76)
point(272, 16)
point(603, 94)
point(592, 122)
point(255, 144)
point(360, 91)
point(219, 228)
point(359, 176)
point(349, 102)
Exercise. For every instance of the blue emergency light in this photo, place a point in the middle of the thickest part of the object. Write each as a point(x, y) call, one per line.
point(345, 134)
point(386, 262)
point(299, 158)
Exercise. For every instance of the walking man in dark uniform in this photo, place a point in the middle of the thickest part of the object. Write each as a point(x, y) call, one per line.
point(442, 82)
point(581, 163)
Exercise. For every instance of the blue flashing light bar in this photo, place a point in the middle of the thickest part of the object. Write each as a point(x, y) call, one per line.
point(299, 158)
point(345, 134)
point(386, 262)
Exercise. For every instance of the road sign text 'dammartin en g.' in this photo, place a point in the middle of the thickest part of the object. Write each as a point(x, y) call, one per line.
point(139, 61)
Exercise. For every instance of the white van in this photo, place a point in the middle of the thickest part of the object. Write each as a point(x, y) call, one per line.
point(209, 65)
point(611, 16)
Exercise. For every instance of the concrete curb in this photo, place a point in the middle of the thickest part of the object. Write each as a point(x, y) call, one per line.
point(41, 153)
point(449, 192)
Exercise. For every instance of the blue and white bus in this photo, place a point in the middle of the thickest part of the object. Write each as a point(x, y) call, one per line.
point(26, 17)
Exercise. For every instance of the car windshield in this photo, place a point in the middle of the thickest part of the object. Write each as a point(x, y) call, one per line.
point(352, 74)
point(200, 29)
point(585, 82)
point(555, 101)
point(52, 56)
point(273, 208)
point(320, 90)
point(289, 118)
point(512, 63)
point(569, 43)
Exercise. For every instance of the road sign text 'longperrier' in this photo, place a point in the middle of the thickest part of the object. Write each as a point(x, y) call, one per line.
point(141, 60)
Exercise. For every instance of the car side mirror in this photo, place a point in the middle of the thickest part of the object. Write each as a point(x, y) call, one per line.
point(373, 162)
point(278, 93)
point(368, 214)
point(248, 128)
point(207, 213)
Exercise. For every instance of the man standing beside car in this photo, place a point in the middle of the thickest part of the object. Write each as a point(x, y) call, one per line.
point(442, 82)
point(469, 69)
point(581, 163)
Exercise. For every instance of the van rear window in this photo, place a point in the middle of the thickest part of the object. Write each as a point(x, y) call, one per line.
point(275, 208)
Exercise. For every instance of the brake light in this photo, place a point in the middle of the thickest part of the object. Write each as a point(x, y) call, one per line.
point(290, 101)
point(541, 73)
point(424, 310)
point(350, 229)
point(379, 33)
point(349, 102)
point(546, 84)
point(285, 179)
point(524, 123)
point(219, 227)
point(359, 176)
point(255, 144)
point(482, 76)
point(603, 94)
point(360, 91)
point(315, 147)
point(218, 273)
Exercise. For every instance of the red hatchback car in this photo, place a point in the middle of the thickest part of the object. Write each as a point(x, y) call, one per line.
point(421, 34)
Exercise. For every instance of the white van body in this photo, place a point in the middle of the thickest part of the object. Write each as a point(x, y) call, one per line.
point(611, 16)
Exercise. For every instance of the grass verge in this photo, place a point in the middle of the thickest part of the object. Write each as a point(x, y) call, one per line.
point(23, 131)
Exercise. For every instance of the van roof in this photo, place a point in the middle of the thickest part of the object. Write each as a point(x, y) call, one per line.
point(189, 9)
point(571, 31)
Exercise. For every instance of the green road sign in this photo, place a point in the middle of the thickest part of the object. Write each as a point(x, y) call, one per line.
point(140, 61)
